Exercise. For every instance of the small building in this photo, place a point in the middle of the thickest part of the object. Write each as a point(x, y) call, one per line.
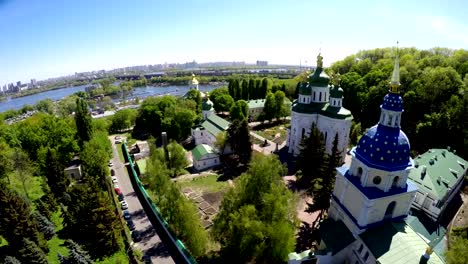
point(74, 169)
point(438, 174)
point(208, 130)
point(204, 157)
point(255, 108)
point(140, 150)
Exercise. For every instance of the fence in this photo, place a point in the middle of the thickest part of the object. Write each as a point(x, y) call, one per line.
point(175, 247)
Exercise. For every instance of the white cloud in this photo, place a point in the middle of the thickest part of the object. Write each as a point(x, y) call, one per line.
point(451, 30)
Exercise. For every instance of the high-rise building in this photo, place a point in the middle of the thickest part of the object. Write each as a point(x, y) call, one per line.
point(33, 83)
point(262, 63)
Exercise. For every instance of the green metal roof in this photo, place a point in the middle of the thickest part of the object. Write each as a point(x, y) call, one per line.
point(336, 92)
point(215, 124)
point(319, 78)
point(443, 170)
point(431, 231)
point(256, 103)
point(322, 109)
point(335, 235)
point(201, 150)
point(396, 243)
point(305, 89)
point(207, 105)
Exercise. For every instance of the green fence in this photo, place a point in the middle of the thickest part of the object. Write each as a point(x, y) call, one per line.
point(176, 248)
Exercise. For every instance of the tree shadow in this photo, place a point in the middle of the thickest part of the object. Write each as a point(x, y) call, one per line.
point(139, 214)
point(157, 249)
point(306, 237)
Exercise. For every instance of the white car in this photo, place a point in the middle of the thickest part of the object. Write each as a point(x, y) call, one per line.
point(124, 205)
point(114, 180)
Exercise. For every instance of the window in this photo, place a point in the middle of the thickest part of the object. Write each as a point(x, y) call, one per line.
point(366, 256)
point(72, 175)
point(359, 171)
point(395, 181)
point(314, 96)
point(320, 96)
point(390, 119)
point(360, 249)
point(202, 134)
point(377, 180)
point(303, 132)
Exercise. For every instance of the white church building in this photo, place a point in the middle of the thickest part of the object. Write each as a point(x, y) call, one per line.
point(319, 102)
point(369, 218)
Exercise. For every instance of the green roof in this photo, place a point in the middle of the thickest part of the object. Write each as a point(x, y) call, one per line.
point(256, 103)
point(207, 105)
point(304, 88)
point(215, 124)
point(319, 78)
point(142, 165)
point(432, 232)
point(335, 235)
point(336, 92)
point(323, 109)
point(443, 170)
point(201, 150)
point(395, 243)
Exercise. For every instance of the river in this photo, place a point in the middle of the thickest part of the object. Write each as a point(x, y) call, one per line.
point(140, 92)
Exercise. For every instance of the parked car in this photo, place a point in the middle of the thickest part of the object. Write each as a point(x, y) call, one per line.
point(118, 141)
point(136, 235)
point(117, 191)
point(112, 172)
point(121, 197)
point(126, 215)
point(131, 225)
point(114, 179)
point(118, 137)
point(116, 185)
point(124, 205)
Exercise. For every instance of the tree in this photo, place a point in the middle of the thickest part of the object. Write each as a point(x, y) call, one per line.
point(457, 252)
point(16, 220)
point(245, 90)
point(239, 140)
point(83, 121)
point(5, 163)
point(45, 226)
point(265, 86)
point(175, 208)
point(31, 253)
point(257, 217)
point(280, 108)
point(252, 90)
point(269, 108)
point(46, 106)
point(312, 158)
point(177, 160)
point(123, 119)
point(223, 103)
point(56, 178)
point(11, 260)
point(195, 96)
point(220, 142)
point(76, 255)
point(94, 156)
point(23, 168)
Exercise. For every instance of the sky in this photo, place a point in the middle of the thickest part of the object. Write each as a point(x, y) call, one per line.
point(51, 38)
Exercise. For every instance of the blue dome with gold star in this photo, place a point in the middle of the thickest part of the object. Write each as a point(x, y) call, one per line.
point(385, 148)
point(393, 102)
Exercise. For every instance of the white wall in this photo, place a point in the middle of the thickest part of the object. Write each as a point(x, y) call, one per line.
point(202, 136)
point(207, 161)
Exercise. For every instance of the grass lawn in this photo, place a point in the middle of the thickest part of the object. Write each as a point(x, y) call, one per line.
point(119, 257)
point(207, 183)
point(269, 133)
point(255, 140)
point(119, 150)
point(33, 186)
point(56, 243)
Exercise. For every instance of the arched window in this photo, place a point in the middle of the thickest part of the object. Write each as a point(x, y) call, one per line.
point(395, 181)
point(390, 119)
point(320, 96)
point(359, 172)
point(303, 132)
point(325, 139)
point(390, 209)
point(314, 95)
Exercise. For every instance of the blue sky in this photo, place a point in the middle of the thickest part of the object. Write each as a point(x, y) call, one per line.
point(49, 38)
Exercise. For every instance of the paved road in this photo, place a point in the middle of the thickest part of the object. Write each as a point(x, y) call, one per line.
point(150, 243)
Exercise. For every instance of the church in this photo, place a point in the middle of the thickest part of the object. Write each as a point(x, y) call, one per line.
point(369, 218)
point(319, 102)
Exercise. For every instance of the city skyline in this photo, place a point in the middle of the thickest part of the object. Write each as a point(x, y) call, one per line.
point(51, 38)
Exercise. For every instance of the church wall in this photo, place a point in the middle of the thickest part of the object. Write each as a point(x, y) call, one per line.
point(322, 94)
point(329, 127)
point(299, 121)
